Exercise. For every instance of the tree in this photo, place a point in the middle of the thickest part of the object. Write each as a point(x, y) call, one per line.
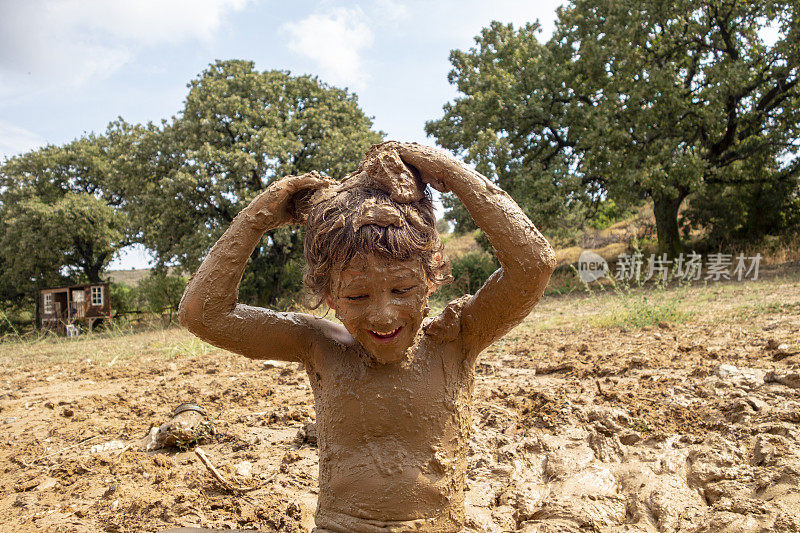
point(240, 129)
point(56, 224)
point(50, 172)
point(507, 122)
point(637, 99)
point(45, 244)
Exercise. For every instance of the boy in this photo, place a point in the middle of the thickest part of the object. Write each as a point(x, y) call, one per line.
point(392, 394)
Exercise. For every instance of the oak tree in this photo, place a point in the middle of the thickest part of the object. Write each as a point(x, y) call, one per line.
point(239, 130)
point(57, 223)
point(636, 99)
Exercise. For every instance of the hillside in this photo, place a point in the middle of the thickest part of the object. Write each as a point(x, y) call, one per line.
point(132, 277)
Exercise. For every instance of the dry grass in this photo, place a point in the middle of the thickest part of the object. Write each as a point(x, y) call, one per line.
point(623, 308)
point(107, 347)
point(133, 276)
point(626, 307)
point(458, 245)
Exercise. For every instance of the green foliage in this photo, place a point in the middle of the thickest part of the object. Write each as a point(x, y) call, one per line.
point(176, 186)
point(58, 221)
point(48, 173)
point(473, 269)
point(744, 213)
point(470, 271)
point(496, 125)
point(161, 293)
point(45, 244)
point(609, 213)
point(124, 299)
point(240, 130)
point(16, 317)
point(630, 100)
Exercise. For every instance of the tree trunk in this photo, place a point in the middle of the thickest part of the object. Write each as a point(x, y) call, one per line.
point(666, 212)
point(93, 271)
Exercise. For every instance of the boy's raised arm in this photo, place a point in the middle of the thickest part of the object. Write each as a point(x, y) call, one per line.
point(209, 306)
point(527, 260)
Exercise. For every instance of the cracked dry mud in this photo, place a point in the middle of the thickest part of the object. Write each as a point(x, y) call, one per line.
point(689, 427)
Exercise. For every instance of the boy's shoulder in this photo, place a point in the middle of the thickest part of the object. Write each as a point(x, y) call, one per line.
point(446, 327)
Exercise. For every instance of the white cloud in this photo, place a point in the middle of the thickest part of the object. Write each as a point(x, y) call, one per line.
point(148, 21)
point(389, 10)
point(334, 41)
point(69, 42)
point(15, 140)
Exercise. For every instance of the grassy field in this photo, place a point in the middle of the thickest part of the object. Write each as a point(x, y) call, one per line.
point(778, 292)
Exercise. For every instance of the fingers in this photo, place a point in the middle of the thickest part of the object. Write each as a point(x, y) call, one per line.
point(410, 152)
point(311, 180)
point(428, 161)
point(424, 158)
point(302, 189)
point(317, 180)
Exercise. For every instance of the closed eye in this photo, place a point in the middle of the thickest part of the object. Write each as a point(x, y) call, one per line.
point(358, 297)
point(402, 291)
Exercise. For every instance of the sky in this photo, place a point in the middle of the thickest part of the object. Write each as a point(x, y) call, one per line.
point(69, 67)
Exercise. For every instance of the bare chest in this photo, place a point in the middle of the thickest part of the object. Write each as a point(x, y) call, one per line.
point(414, 403)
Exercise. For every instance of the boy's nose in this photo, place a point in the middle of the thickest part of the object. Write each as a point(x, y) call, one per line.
point(385, 316)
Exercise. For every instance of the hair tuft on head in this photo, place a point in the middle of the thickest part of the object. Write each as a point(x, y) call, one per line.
point(383, 209)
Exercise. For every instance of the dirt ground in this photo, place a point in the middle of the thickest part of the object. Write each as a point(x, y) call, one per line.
point(660, 410)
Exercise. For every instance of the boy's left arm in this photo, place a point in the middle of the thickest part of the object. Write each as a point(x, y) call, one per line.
point(527, 260)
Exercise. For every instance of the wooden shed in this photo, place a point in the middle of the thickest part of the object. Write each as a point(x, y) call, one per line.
point(84, 305)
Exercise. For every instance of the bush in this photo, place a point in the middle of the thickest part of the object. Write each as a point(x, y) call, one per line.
point(124, 299)
point(470, 271)
point(609, 213)
point(744, 213)
point(162, 293)
point(17, 317)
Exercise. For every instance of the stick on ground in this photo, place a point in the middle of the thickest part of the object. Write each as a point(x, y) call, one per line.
point(214, 472)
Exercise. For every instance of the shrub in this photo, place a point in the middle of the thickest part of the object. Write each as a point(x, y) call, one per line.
point(609, 213)
point(123, 298)
point(162, 293)
point(470, 271)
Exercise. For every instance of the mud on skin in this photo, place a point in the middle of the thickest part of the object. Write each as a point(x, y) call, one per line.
point(393, 396)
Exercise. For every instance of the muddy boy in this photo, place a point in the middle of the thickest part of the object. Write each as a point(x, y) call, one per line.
point(392, 389)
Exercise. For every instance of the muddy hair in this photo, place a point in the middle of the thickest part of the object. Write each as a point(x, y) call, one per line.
point(333, 238)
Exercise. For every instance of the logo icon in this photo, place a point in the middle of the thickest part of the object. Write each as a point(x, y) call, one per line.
point(591, 266)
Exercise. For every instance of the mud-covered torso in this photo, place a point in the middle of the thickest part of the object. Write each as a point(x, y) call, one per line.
point(393, 438)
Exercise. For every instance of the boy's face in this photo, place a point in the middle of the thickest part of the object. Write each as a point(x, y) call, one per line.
point(381, 302)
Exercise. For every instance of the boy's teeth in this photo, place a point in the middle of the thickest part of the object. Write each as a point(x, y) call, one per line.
point(385, 333)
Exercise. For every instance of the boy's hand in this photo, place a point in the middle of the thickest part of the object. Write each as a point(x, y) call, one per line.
point(433, 165)
point(288, 199)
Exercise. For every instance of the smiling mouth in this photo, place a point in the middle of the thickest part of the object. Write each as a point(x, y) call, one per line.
point(386, 335)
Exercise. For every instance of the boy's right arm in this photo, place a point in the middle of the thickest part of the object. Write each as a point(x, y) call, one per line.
point(526, 258)
point(209, 306)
